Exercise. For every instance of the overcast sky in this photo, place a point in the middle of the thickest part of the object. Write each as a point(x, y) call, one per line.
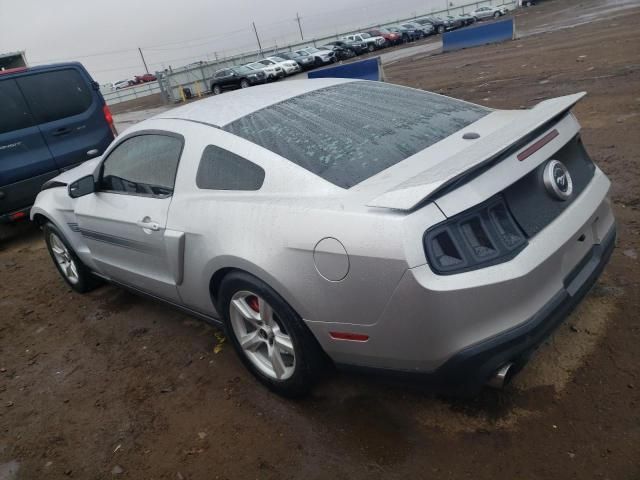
point(104, 36)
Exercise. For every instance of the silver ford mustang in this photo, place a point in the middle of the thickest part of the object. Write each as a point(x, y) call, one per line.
point(380, 227)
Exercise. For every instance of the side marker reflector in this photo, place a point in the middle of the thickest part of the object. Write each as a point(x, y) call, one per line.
point(354, 337)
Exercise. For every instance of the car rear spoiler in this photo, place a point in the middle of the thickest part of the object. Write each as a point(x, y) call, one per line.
point(440, 178)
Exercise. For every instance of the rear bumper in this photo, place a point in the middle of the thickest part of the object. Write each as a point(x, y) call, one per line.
point(470, 369)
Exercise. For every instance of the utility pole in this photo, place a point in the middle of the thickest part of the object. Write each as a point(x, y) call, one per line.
point(143, 61)
point(257, 37)
point(299, 25)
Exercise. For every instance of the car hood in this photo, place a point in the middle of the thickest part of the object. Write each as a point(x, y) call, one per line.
point(454, 157)
point(82, 170)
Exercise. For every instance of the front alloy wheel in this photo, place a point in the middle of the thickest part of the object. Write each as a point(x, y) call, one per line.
point(244, 84)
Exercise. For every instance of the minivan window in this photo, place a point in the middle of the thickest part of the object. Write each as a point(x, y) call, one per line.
point(143, 165)
point(56, 94)
point(347, 133)
point(221, 169)
point(14, 113)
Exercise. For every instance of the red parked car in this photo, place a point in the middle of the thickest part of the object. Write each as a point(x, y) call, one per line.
point(147, 77)
point(392, 38)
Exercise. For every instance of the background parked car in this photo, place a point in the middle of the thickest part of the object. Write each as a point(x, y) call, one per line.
point(305, 61)
point(236, 77)
point(453, 23)
point(122, 84)
point(273, 72)
point(467, 19)
point(391, 38)
point(52, 118)
point(372, 43)
point(147, 77)
point(484, 13)
point(358, 48)
point(342, 52)
point(320, 56)
point(421, 30)
point(289, 67)
point(407, 35)
point(439, 24)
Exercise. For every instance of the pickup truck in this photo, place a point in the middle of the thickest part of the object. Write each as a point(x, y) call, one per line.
point(372, 43)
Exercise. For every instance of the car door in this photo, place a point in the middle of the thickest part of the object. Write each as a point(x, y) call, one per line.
point(25, 160)
point(69, 113)
point(124, 221)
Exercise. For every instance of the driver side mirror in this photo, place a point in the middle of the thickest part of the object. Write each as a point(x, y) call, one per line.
point(83, 186)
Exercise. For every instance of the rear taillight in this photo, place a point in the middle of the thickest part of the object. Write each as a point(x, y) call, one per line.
point(483, 236)
point(109, 118)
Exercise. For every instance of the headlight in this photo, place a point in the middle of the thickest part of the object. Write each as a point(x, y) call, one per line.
point(482, 236)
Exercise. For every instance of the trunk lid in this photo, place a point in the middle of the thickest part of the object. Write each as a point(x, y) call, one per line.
point(454, 159)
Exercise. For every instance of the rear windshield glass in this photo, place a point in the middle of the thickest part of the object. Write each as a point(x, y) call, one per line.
point(349, 132)
point(56, 94)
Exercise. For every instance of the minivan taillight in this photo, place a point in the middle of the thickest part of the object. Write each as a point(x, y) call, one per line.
point(109, 118)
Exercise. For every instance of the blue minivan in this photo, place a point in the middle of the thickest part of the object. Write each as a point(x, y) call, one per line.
point(52, 118)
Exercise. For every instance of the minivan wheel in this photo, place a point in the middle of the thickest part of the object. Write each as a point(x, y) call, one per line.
point(70, 267)
point(216, 90)
point(268, 335)
point(244, 84)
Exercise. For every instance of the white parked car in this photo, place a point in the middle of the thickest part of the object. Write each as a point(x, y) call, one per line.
point(289, 67)
point(320, 56)
point(373, 43)
point(273, 72)
point(485, 13)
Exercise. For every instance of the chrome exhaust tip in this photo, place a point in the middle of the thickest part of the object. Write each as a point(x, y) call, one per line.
point(501, 377)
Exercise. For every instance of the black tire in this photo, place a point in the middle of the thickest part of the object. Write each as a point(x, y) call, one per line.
point(371, 47)
point(309, 358)
point(216, 90)
point(496, 15)
point(86, 280)
point(441, 29)
point(244, 83)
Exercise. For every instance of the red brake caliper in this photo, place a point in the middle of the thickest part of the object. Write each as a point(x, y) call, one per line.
point(252, 301)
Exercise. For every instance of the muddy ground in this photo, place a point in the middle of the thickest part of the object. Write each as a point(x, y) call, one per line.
point(112, 385)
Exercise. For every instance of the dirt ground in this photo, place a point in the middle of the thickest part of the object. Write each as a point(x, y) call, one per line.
point(110, 385)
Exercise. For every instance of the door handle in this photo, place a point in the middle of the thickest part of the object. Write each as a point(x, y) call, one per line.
point(61, 131)
point(148, 224)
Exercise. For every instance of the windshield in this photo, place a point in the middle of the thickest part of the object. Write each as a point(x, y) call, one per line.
point(365, 35)
point(311, 50)
point(256, 66)
point(349, 132)
point(277, 59)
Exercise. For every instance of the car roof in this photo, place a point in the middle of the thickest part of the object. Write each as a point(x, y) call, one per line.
point(221, 110)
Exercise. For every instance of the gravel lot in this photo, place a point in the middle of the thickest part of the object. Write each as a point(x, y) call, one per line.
point(110, 385)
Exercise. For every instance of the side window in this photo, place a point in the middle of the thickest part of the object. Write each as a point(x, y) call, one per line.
point(143, 165)
point(56, 94)
point(220, 169)
point(14, 113)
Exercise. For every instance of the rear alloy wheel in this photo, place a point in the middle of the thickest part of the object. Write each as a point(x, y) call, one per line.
point(441, 28)
point(70, 267)
point(244, 84)
point(371, 47)
point(268, 335)
point(216, 90)
point(496, 15)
